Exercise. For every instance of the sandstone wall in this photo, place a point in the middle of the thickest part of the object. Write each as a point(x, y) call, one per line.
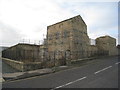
point(25, 53)
point(106, 45)
point(68, 39)
point(21, 66)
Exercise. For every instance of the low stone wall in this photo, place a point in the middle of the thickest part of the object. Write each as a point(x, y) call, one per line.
point(23, 66)
point(15, 64)
point(32, 66)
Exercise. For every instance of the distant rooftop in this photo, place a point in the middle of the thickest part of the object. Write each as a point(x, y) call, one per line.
point(24, 45)
point(105, 37)
point(27, 44)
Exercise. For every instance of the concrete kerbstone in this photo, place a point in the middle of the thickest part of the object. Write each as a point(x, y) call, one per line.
point(21, 75)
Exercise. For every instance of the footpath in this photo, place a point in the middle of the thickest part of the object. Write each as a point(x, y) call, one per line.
point(21, 75)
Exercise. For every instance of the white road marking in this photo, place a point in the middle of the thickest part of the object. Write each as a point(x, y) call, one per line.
point(69, 83)
point(102, 69)
point(117, 63)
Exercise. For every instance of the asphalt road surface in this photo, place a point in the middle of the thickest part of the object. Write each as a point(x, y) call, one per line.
point(99, 73)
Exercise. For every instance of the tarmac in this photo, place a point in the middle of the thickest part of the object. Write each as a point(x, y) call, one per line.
point(38, 72)
point(97, 73)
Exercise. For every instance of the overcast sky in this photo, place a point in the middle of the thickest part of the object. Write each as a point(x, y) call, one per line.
point(28, 19)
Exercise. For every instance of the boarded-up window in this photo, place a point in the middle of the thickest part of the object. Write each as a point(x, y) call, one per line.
point(50, 37)
point(57, 35)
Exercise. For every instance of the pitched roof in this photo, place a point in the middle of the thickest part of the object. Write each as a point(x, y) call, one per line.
point(23, 44)
point(67, 20)
point(105, 37)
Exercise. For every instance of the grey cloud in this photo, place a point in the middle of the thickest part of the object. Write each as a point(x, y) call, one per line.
point(8, 35)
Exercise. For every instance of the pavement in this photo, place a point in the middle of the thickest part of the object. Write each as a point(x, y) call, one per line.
point(22, 75)
point(99, 73)
point(1, 79)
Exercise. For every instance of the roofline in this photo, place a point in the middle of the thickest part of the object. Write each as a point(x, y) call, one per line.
point(105, 36)
point(67, 20)
point(27, 44)
point(22, 44)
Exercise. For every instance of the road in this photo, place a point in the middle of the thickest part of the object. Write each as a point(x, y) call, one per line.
point(99, 73)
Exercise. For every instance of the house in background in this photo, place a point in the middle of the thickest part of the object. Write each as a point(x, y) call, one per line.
point(106, 45)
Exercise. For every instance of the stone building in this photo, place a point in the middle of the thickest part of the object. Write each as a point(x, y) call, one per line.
point(106, 45)
point(1, 49)
point(25, 57)
point(68, 39)
point(25, 53)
